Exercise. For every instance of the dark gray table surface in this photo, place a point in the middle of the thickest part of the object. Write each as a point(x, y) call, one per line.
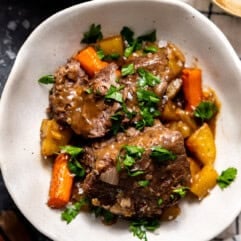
point(18, 18)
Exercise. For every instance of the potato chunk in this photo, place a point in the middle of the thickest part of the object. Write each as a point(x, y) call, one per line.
point(201, 144)
point(112, 45)
point(52, 137)
point(204, 181)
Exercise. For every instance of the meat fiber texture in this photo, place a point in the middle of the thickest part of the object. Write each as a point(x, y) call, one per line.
point(119, 192)
point(79, 101)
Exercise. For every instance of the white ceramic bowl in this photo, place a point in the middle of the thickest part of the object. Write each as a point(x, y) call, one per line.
point(24, 101)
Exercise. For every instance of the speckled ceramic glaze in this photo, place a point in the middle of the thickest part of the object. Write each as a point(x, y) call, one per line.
point(24, 101)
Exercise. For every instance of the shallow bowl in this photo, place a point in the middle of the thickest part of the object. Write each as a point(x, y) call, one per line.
point(24, 102)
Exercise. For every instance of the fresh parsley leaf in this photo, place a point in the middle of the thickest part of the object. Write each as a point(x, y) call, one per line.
point(128, 69)
point(139, 227)
point(93, 34)
point(47, 79)
point(135, 151)
point(143, 183)
point(205, 110)
point(127, 34)
point(149, 37)
point(135, 173)
point(227, 177)
point(181, 191)
point(100, 54)
point(107, 216)
point(150, 49)
point(162, 154)
point(89, 91)
point(76, 168)
point(113, 56)
point(146, 96)
point(147, 78)
point(117, 122)
point(113, 93)
point(73, 151)
point(72, 210)
point(128, 161)
point(148, 114)
point(159, 201)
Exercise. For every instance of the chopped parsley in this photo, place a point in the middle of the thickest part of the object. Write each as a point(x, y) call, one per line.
point(139, 227)
point(205, 110)
point(74, 165)
point(114, 93)
point(127, 34)
point(149, 37)
point(128, 159)
point(108, 57)
point(147, 78)
point(106, 215)
point(93, 34)
point(162, 154)
point(181, 191)
point(47, 79)
point(146, 97)
point(159, 201)
point(135, 44)
point(73, 210)
point(150, 49)
point(143, 183)
point(128, 69)
point(73, 151)
point(227, 177)
point(135, 151)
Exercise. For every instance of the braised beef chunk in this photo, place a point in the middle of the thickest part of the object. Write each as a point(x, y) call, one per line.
point(81, 102)
point(143, 188)
point(73, 102)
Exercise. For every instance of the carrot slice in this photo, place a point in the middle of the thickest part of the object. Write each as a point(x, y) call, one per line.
point(61, 182)
point(192, 87)
point(90, 61)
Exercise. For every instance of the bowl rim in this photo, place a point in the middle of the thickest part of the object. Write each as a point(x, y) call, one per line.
point(10, 80)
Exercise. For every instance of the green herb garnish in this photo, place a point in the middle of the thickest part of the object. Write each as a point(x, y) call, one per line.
point(227, 177)
point(162, 154)
point(74, 165)
point(147, 78)
point(73, 210)
point(129, 158)
point(76, 168)
point(147, 97)
point(149, 37)
point(107, 216)
point(47, 79)
point(150, 49)
point(93, 34)
point(127, 34)
point(143, 183)
point(135, 151)
point(113, 93)
point(205, 110)
point(159, 201)
point(73, 151)
point(128, 69)
point(139, 227)
point(181, 191)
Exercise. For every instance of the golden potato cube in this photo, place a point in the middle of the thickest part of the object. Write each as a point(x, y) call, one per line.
point(194, 168)
point(201, 144)
point(112, 45)
point(205, 180)
point(52, 137)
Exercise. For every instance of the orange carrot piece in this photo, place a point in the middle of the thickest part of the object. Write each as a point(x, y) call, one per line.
point(90, 61)
point(61, 182)
point(192, 87)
